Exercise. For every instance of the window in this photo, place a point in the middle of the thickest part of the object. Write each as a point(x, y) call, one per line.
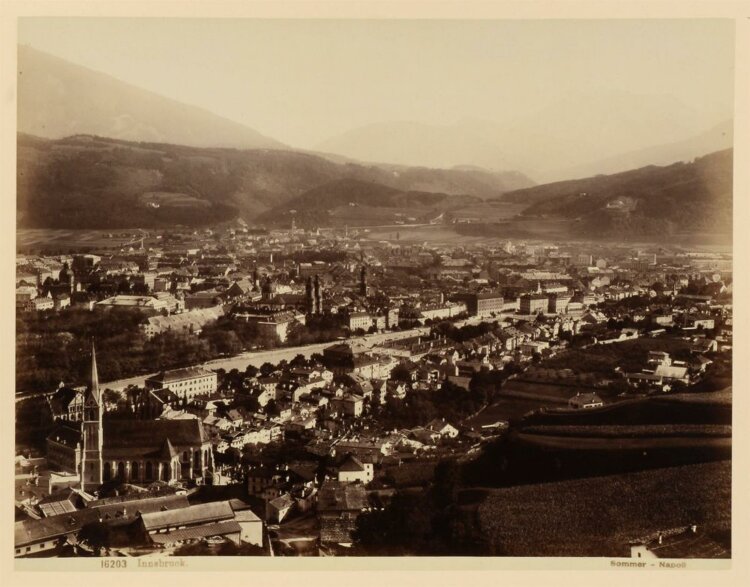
point(28, 549)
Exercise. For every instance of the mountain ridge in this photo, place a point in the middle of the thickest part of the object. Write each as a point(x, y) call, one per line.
point(569, 137)
point(81, 181)
point(58, 98)
point(693, 196)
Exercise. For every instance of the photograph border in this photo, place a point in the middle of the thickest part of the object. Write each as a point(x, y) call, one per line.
point(436, 569)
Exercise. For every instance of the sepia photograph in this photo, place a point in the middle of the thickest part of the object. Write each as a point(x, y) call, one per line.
point(373, 287)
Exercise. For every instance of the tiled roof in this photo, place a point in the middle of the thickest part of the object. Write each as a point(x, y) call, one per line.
point(66, 434)
point(165, 395)
point(335, 496)
point(194, 514)
point(351, 464)
point(150, 435)
point(32, 531)
point(282, 502)
point(180, 374)
point(131, 509)
point(196, 532)
point(336, 530)
point(163, 491)
point(55, 508)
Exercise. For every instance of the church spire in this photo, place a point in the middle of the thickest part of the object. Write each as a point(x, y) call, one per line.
point(92, 465)
point(94, 374)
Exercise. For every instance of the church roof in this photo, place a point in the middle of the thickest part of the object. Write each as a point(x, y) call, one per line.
point(167, 450)
point(158, 438)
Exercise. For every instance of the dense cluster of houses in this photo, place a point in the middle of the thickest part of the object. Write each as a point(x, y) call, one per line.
point(184, 430)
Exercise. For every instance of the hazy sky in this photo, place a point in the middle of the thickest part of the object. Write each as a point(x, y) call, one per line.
point(301, 81)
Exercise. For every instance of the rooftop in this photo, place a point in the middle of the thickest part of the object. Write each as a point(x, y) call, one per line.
point(196, 532)
point(180, 375)
point(151, 434)
point(194, 514)
point(335, 496)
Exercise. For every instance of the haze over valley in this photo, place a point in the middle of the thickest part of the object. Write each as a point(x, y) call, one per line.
point(91, 143)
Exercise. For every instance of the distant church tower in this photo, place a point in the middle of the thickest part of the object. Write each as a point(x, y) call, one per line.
point(267, 289)
point(318, 296)
point(92, 468)
point(310, 297)
point(363, 281)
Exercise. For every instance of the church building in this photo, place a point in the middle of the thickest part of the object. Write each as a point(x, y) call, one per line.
point(132, 451)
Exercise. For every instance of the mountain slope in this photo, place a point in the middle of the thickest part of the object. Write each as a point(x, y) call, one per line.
point(57, 98)
point(96, 182)
point(362, 203)
point(694, 196)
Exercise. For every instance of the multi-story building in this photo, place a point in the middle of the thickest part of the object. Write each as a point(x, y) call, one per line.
point(361, 320)
point(186, 383)
point(190, 322)
point(533, 304)
point(558, 302)
point(482, 304)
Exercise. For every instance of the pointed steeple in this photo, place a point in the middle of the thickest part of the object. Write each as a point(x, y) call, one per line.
point(92, 468)
point(94, 381)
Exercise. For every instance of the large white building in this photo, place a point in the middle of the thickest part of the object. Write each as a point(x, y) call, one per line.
point(186, 383)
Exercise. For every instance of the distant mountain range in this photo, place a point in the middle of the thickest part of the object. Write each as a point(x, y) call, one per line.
point(96, 182)
point(118, 156)
point(57, 99)
point(575, 137)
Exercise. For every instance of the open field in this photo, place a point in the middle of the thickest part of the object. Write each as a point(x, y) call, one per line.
point(172, 199)
point(517, 398)
point(497, 226)
point(652, 410)
point(64, 240)
point(475, 232)
point(722, 397)
point(492, 211)
point(543, 391)
point(598, 516)
point(616, 444)
point(362, 215)
point(653, 430)
point(505, 409)
point(435, 233)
